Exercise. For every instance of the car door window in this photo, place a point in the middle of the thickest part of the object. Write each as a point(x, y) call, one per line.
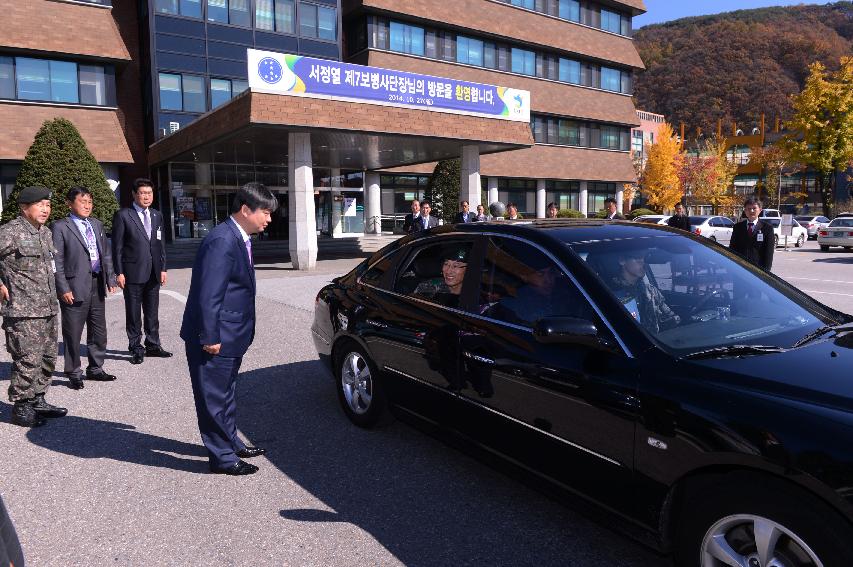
point(380, 274)
point(727, 222)
point(715, 222)
point(436, 272)
point(520, 284)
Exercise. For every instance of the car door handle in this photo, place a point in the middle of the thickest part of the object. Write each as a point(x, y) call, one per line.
point(477, 358)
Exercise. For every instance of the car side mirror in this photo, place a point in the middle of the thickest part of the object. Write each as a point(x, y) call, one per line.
point(567, 330)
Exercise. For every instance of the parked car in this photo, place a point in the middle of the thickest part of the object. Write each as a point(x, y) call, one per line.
point(798, 233)
point(706, 406)
point(715, 228)
point(812, 223)
point(652, 219)
point(838, 233)
point(843, 215)
point(770, 213)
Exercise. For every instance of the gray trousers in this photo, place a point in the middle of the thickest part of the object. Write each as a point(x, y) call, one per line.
point(88, 311)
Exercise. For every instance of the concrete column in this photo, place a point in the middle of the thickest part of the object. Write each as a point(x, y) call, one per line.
point(492, 183)
point(373, 204)
point(470, 187)
point(582, 198)
point(620, 197)
point(336, 220)
point(540, 198)
point(303, 222)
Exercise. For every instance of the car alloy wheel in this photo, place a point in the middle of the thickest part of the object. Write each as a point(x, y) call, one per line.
point(754, 541)
point(800, 241)
point(356, 383)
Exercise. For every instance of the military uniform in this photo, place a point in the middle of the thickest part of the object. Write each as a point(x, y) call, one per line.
point(646, 303)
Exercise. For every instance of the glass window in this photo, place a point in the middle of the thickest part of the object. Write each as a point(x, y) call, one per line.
point(610, 137)
point(529, 4)
point(166, 6)
point(238, 13)
point(523, 61)
point(470, 51)
point(217, 11)
point(194, 99)
point(275, 15)
point(318, 21)
point(520, 285)
point(328, 23)
point(265, 14)
point(191, 8)
point(570, 71)
point(611, 79)
point(7, 78)
point(238, 86)
point(569, 133)
point(92, 85)
point(489, 53)
point(611, 21)
point(407, 39)
point(570, 10)
point(436, 273)
point(170, 92)
point(220, 92)
point(33, 78)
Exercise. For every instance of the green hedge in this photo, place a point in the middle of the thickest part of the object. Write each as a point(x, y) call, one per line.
point(570, 214)
point(641, 212)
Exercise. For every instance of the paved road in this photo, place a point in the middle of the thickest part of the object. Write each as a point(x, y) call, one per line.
point(122, 481)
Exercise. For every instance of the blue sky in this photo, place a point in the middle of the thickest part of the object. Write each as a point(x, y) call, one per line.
point(665, 10)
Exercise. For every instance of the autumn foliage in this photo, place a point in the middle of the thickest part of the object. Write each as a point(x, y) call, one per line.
point(660, 183)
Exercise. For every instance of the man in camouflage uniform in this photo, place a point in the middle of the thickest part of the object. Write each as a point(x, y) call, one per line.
point(447, 288)
point(643, 301)
point(29, 307)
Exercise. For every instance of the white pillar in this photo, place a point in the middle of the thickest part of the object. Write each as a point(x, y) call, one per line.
point(337, 204)
point(540, 198)
point(373, 206)
point(620, 196)
point(470, 187)
point(303, 222)
point(492, 183)
point(582, 198)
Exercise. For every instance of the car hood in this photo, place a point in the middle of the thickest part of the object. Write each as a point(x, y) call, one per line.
point(817, 373)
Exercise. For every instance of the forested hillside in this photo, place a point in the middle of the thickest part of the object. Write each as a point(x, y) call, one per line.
point(739, 64)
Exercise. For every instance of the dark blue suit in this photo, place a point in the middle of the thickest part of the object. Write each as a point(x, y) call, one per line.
point(220, 310)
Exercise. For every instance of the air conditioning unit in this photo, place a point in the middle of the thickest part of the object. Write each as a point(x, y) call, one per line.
point(174, 127)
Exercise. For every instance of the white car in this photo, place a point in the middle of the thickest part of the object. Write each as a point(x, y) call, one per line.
point(713, 227)
point(838, 233)
point(652, 219)
point(812, 223)
point(798, 233)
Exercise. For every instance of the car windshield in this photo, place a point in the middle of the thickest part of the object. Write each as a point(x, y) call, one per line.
point(773, 222)
point(804, 219)
point(695, 221)
point(845, 222)
point(689, 296)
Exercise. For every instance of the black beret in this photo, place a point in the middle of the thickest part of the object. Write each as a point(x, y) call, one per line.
point(33, 195)
point(459, 254)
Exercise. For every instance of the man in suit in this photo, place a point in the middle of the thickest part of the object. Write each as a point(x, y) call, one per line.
point(219, 326)
point(464, 215)
point(425, 221)
point(753, 238)
point(679, 219)
point(84, 277)
point(612, 213)
point(411, 218)
point(139, 257)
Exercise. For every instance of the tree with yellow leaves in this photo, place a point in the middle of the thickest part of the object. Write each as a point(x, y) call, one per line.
point(822, 126)
point(660, 183)
point(708, 177)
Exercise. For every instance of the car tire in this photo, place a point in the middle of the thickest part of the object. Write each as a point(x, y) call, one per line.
point(776, 240)
point(720, 519)
point(800, 241)
point(824, 248)
point(359, 386)
point(712, 238)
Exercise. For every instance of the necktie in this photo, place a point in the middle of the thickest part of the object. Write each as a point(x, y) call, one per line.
point(750, 229)
point(424, 221)
point(146, 222)
point(94, 260)
point(249, 251)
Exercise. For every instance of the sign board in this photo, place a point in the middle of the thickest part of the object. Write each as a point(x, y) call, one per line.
point(296, 75)
point(787, 227)
point(177, 189)
point(186, 207)
point(349, 206)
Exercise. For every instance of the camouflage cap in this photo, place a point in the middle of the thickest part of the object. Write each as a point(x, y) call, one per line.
point(33, 195)
point(457, 254)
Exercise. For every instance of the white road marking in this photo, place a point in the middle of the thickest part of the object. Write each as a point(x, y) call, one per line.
point(173, 294)
point(827, 292)
point(817, 280)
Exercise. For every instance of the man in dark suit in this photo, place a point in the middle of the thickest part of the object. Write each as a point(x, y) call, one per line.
point(464, 215)
point(219, 326)
point(84, 277)
point(753, 238)
point(425, 221)
point(139, 257)
point(612, 213)
point(679, 219)
point(411, 218)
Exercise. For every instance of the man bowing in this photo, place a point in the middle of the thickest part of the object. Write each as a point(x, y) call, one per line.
point(219, 326)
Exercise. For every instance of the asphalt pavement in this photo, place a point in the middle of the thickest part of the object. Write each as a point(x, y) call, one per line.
point(123, 479)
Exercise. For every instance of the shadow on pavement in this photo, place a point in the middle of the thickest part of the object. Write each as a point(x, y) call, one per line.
point(848, 260)
point(421, 500)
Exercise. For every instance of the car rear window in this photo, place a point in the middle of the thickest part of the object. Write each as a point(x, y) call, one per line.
point(804, 219)
point(697, 220)
point(845, 222)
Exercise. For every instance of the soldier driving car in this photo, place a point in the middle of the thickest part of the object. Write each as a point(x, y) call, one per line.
point(29, 307)
point(643, 301)
point(447, 288)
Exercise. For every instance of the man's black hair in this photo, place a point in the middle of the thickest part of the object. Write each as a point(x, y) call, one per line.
point(610, 200)
point(255, 196)
point(74, 191)
point(426, 202)
point(142, 182)
point(752, 201)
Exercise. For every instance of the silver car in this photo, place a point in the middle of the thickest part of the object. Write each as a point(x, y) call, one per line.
point(838, 233)
point(812, 224)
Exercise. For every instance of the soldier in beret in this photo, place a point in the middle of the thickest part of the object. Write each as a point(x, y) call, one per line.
point(29, 307)
point(447, 288)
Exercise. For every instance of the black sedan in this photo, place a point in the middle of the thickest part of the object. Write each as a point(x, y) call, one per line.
point(704, 403)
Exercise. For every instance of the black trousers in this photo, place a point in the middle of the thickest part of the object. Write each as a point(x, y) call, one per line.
point(141, 303)
point(88, 311)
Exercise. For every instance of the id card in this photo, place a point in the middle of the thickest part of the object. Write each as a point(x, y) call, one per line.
point(53, 265)
point(760, 237)
point(159, 234)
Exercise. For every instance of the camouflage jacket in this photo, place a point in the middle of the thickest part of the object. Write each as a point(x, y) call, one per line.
point(27, 270)
point(436, 290)
point(646, 303)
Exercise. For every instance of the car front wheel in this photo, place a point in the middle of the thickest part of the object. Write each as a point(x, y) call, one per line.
point(800, 241)
point(359, 387)
point(767, 525)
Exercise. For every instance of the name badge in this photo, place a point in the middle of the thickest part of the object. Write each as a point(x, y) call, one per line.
point(760, 237)
point(93, 254)
point(159, 234)
point(53, 265)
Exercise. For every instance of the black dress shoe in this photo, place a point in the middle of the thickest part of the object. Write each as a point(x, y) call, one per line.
point(239, 468)
point(24, 415)
point(75, 382)
point(250, 452)
point(45, 409)
point(158, 352)
point(136, 357)
point(100, 376)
